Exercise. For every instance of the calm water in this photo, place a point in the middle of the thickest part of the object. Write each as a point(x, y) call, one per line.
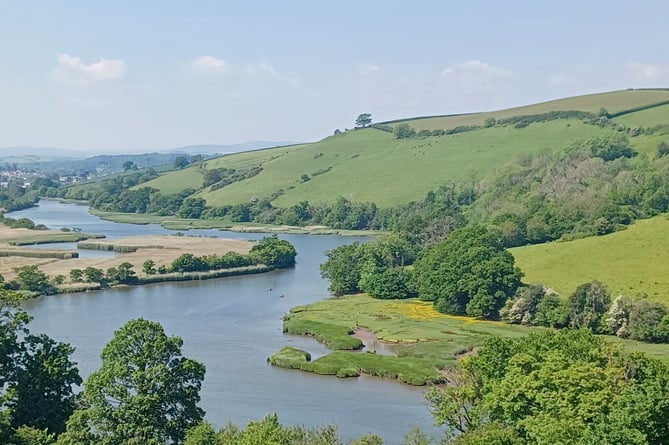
point(231, 325)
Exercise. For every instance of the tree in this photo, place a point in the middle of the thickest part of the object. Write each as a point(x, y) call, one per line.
point(390, 283)
point(648, 322)
point(149, 267)
point(125, 273)
point(41, 394)
point(192, 208)
point(587, 305)
point(129, 165)
point(36, 376)
point(201, 434)
point(188, 262)
point(342, 268)
point(274, 252)
point(181, 162)
point(93, 275)
point(470, 272)
point(568, 385)
point(363, 120)
point(145, 392)
point(662, 149)
point(32, 279)
point(404, 131)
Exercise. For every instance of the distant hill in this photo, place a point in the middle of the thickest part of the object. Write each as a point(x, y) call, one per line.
point(66, 161)
point(371, 165)
point(22, 155)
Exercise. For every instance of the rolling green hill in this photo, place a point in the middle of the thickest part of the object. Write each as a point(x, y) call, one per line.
point(630, 262)
point(370, 165)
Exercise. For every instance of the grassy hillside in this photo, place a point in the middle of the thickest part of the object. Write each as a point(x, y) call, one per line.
point(370, 165)
point(630, 262)
point(613, 102)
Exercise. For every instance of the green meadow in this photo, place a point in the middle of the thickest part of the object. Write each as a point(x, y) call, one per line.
point(631, 262)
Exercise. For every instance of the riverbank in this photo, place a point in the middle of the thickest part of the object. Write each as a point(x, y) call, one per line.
point(426, 342)
point(177, 223)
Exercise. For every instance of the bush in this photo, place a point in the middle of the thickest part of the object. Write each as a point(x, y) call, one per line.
point(274, 252)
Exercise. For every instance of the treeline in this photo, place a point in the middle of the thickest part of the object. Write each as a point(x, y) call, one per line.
point(590, 307)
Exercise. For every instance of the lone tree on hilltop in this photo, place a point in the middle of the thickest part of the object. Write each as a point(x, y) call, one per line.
point(363, 120)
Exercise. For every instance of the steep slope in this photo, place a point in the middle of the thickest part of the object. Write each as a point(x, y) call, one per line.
point(630, 262)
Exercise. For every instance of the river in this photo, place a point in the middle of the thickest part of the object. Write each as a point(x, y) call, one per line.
point(231, 325)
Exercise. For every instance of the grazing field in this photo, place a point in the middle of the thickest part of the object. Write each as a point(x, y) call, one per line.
point(630, 262)
point(426, 342)
point(370, 165)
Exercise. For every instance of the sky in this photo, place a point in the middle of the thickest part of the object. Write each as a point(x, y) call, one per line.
point(136, 76)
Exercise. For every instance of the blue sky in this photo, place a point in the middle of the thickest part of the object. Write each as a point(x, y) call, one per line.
point(128, 76)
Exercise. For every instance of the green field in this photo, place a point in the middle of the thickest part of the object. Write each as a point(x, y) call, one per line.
point(370, 165)
point(630, 262)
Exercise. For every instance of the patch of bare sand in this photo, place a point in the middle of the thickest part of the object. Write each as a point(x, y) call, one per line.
point(161, 249)
point(371, 342)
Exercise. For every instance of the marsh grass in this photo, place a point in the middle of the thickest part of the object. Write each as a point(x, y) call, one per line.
point(290, 357)
point(427, 341)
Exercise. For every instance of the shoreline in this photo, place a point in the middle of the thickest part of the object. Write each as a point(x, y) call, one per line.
point(169, 277)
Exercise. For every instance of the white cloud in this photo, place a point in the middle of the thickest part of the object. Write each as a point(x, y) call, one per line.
point(72, 69)
point(369, 68)
point(475, 76)
point(209, 65)
point(644, 71)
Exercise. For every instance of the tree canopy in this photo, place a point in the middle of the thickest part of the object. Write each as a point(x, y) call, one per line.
point(36, 376)
point(363, 120)
point(564, 386)
point(274, 252)
point(145, 392)
point(470, 272)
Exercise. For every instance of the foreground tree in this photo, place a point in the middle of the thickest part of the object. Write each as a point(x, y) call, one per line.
point(36, 377)
point(145, 392)
point(567, 387)
point(470, 272)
